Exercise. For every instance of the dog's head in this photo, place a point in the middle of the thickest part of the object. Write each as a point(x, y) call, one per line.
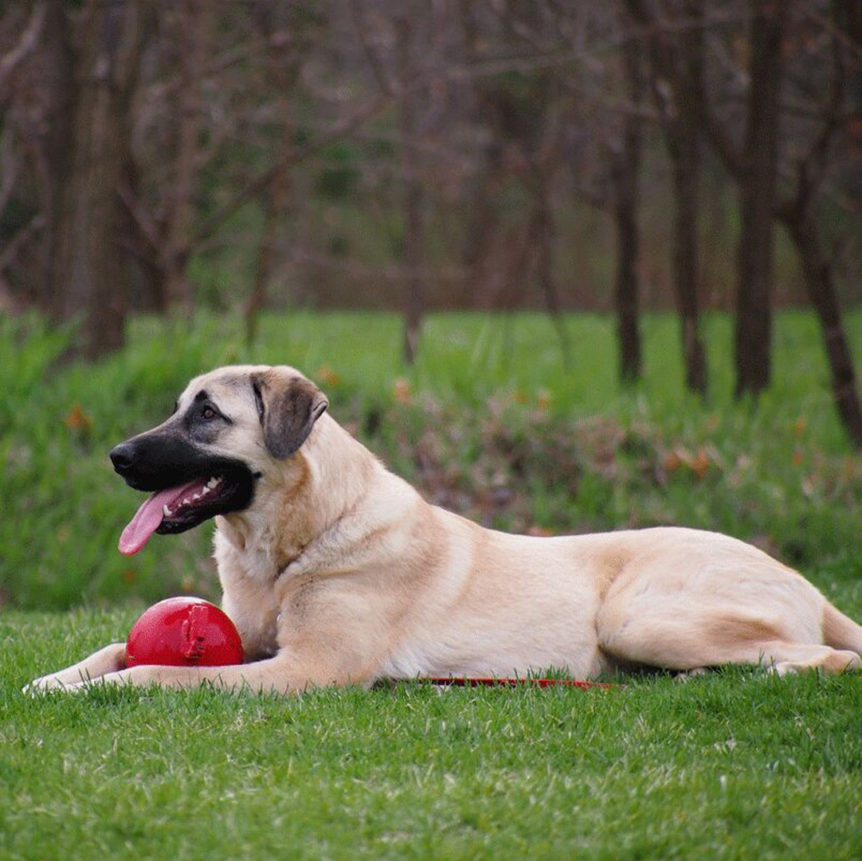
point(228, 429)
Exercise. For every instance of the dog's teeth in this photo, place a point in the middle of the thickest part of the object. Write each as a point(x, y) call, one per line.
point(185, 501)
point(166, 511)
point(196, 496)
point(213, 483)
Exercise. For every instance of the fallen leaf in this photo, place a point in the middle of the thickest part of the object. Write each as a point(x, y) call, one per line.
point(539, 532)
point(700, 463)
point(77, 420)
point(401, 390)
point(327, 377)
point(674, 459)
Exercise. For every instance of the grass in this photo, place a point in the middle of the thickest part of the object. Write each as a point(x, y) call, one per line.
point(488, 422)
point(732, 765)
point(736, 764)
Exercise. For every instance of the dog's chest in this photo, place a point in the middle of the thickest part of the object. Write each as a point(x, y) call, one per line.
point(249, 598)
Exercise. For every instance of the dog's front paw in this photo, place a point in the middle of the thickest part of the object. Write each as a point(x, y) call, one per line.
point(121, 677)
point(44, 684)
point(67, 681)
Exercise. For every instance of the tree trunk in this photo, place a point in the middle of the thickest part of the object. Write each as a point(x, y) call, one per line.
point(543, 242)
point(821, 291)
point(121, 37)
point(683, 150)
point(753, 335)
point(687, 186)
point(192, 39)
point(677, 73)
point(625, 170)
point(414, 195)
point(276, 201)
point(89, 261)
point(413, 245)
point(283, 62)
point(61, 93)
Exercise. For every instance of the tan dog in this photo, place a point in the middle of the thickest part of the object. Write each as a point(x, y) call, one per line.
point(336, 571)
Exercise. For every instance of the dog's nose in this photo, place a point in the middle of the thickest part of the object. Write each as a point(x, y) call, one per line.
point(122, 456)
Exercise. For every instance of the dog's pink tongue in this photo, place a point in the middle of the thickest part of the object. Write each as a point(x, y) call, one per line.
point(148, 518)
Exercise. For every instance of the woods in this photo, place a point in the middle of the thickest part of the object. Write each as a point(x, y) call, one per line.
point(165, 157)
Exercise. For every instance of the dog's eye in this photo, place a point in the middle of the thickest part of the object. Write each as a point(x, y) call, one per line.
point(208, 413)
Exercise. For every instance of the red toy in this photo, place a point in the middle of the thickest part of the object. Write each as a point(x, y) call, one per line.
point(184, 632)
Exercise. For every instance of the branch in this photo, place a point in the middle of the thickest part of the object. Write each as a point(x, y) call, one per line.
point(26, 43)
point(811, 167)
point(663, 56)
point(292, 157)
point(147, 226)
point(13, 246)
point(374, 61)
point(833, 116)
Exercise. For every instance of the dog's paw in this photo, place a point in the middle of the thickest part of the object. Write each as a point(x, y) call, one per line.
point(687, 675)
point(44, 685)
point(62, 681)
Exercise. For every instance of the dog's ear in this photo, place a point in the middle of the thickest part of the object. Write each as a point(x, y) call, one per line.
point(288, 406)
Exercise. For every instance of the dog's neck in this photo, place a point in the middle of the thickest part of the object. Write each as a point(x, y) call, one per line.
point(296, 505)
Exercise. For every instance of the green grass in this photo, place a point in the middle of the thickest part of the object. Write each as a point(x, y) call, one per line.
point(737, 764)
point(733, 765)
point(488, 422)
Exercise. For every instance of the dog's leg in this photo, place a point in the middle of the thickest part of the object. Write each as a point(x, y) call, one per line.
point(276, 675)
point(110, 659)
point(690, 640)
point(793, 658)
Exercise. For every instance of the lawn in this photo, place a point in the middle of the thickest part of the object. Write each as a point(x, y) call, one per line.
point(736, 764)
point(733, 765)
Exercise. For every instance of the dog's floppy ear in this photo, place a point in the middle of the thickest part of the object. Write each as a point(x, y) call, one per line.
point(288, 406)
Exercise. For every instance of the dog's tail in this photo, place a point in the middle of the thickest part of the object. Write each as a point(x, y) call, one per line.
point(840, 631)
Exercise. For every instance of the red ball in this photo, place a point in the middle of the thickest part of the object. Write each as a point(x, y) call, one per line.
point(184, 632)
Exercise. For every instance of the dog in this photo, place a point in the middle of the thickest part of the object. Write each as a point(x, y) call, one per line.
point(335, 571)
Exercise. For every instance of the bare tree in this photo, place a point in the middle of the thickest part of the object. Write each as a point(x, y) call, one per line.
point(190, 23)
point(53, 151)
point(285, 40)
point(757, 176)
point(625, 169)
point(472, 142)
point(676, 77)
point(798, 214)
point(87, 268)
point(407, 40)
point(25, 45)
point(755, 167)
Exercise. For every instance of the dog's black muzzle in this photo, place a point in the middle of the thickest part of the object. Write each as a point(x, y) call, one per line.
point(161, 459)
point(154, 461)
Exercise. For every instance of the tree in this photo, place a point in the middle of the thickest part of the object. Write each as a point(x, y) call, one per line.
point(757, 175)
point(756, 167)
point(407, 41)
point(190, 20)
point(468, 144)
point(797, 211)
point(625, 168)
point(284, 39)
point(86, 267)
point(676, 74)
